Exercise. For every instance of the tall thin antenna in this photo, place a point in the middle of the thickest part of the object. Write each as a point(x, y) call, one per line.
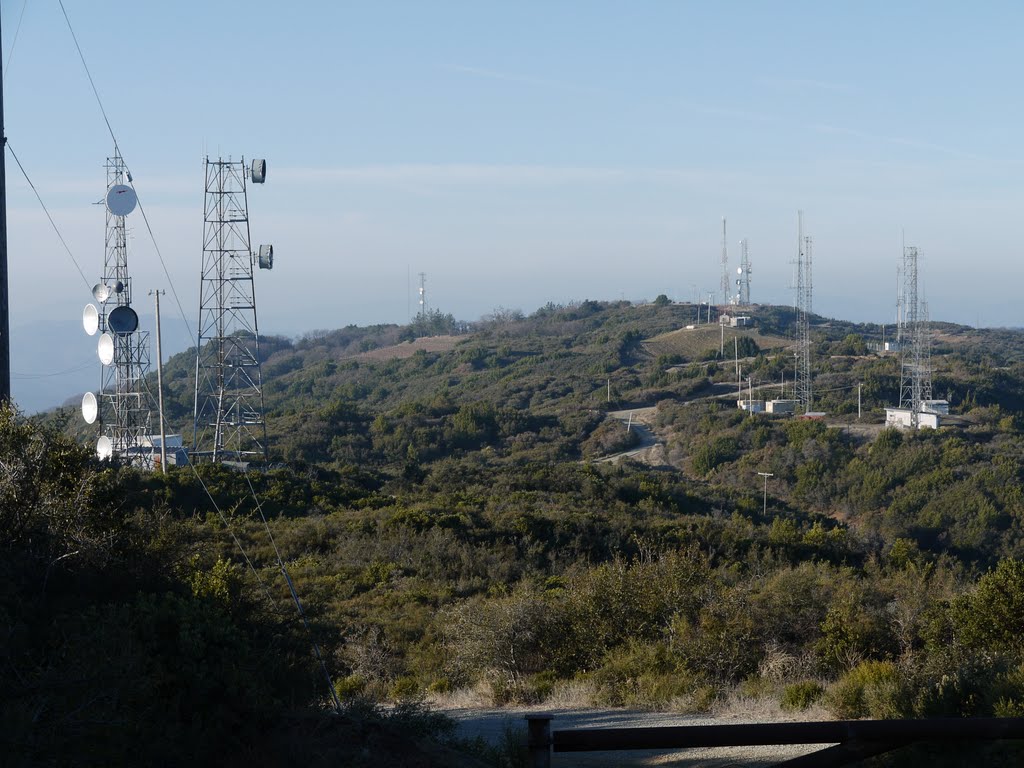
point(915, 352)
point(804, 296)
point(743, 281)
point(725, 265)
point(423, 296)
point(228, 420)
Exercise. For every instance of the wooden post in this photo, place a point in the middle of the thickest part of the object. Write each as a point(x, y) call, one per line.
point(538, 739)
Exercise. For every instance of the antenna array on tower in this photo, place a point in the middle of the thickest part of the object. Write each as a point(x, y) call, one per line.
point(121, 410)
point(228, 420)
point(423, 311)
point(804, 296)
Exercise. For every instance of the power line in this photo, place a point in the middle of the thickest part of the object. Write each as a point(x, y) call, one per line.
point(163, 265)
point(88, 74)
point(295, 599)
point(75, 369)
point(117, 148)
point(48, 216)
point(14, 41)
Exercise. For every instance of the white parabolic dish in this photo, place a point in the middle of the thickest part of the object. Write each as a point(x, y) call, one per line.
point(105, 349)
point(121, 199)
point(90, 408)
point(90, 319)
point(104, 447)
point(101, 292)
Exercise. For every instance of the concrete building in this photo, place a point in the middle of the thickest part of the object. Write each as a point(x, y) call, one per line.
point(901, 418)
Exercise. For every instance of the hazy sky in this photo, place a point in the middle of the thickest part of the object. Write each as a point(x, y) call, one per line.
point(525, 152)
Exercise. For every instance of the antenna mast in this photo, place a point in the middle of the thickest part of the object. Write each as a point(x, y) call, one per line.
point(228, 422)
point(121, 409)
point(915, 363)
point(725, 266)
point(423, 296)
point(744, 279)
point(804, 295)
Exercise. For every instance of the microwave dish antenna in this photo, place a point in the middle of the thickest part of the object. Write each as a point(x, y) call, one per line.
point(123, 320)
point(90, 408)
point(121, 200)
point(259, 171)
point(105, 349)
point(91, 319)
point(266, 257)
point(104, 448)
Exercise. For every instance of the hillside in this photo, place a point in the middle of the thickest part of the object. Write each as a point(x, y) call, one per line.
point(449, 524)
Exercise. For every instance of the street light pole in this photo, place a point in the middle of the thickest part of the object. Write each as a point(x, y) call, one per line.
point(765, 475)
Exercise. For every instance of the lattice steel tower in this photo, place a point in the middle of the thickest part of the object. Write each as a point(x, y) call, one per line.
point(228, 419)
point(743, 281)
point(915, 352)
point(122, 408)
point(804, 296)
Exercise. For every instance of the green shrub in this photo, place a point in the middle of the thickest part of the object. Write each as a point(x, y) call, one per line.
point(800, 696)
point(640, 676)
point(871, 689)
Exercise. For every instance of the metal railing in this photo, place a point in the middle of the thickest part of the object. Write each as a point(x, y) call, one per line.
point(852, 740)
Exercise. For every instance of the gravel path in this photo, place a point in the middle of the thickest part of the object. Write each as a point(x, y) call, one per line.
point(493, 724)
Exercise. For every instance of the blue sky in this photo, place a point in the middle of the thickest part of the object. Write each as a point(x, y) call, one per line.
point(526, 152)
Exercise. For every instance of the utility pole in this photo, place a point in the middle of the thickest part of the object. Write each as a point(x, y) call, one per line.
point(5, 338)
point(160, 385)
point(609, 389)
point(859, 385)
point(765, 475)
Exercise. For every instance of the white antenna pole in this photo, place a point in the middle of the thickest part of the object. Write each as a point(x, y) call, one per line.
point(160, 386)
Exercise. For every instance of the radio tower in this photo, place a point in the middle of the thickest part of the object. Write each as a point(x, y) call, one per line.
point(228, 421)
point(725, 266)
point(423, 296)
point(743, 282)
point(121, 410)
point(915, 363)
point(804, 295)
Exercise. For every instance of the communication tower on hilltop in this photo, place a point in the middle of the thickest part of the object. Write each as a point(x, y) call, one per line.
point(423, 296)
point(804, 295)
point(725, 266)
point(121, 409)
point(228, 421)
point(915, 352)
point(743, 279)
